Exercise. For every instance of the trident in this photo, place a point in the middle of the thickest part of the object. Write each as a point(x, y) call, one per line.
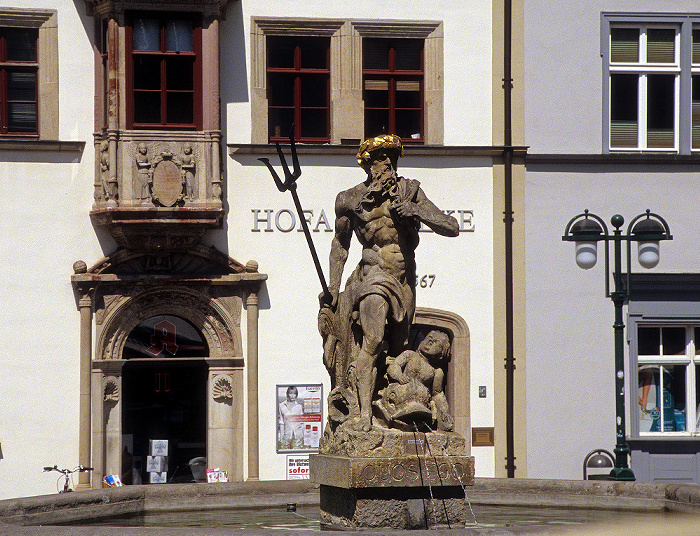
point(290, 183)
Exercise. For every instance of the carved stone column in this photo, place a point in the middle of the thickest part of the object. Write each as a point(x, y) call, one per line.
point(85, 306)
point(252, 368)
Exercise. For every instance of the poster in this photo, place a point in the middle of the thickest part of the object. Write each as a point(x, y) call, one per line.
point(297, 467)
point(299, 417)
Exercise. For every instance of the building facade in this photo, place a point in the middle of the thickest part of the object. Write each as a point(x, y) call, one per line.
point(611, 128)
point(168, 290)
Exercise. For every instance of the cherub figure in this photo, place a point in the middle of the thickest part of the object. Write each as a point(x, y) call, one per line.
point(415, 392)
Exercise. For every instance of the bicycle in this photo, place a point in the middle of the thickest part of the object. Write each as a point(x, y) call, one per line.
point(68, 479)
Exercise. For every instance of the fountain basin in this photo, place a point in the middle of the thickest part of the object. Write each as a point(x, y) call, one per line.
point(30, 515)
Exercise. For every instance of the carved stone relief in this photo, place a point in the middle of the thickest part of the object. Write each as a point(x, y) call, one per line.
point(165, 174)
point(123, 315)
point(111, 393)
point(222, 388)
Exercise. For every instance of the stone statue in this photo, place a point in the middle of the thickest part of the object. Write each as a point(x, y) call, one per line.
point(375, 311)
point(414, 396)
point(143, 166)
point(189, 170)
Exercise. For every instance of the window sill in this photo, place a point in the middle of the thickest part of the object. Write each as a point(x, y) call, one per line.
point(236, 149)
point(24, 144)
point(664, 438)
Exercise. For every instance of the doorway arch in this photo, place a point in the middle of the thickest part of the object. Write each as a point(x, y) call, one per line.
point(207, 290)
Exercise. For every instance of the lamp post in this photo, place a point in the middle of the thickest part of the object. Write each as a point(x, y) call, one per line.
point(647, 229)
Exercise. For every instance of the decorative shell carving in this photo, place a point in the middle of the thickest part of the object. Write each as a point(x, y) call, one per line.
point(111, 390)
point(222, 390)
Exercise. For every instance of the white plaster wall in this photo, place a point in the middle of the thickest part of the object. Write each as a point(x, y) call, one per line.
point(570, 339)
point(46, 227)
point(290, 346)
point(563, 71)
point(467, 57)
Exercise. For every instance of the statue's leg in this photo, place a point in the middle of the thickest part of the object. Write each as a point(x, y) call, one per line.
point(373, 312)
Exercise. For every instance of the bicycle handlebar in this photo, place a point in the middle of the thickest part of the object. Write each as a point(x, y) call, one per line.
point(79, 469)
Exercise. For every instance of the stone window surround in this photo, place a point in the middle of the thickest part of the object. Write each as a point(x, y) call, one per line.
point(47, 57)
point(347, 106)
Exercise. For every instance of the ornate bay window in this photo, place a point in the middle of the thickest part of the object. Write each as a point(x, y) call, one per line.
point(157, 142)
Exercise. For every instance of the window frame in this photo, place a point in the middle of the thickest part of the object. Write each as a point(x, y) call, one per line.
point(393, 76)
point(163, 55)
point(7, 66)
point(298, 72)
point(45, 22)
point(682, 69)
point(346, 104)
point(664, 301)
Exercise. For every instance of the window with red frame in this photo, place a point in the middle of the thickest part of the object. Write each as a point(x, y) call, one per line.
point(18, 81)
point(392, 71)
point(165, 72)
point(298, 88)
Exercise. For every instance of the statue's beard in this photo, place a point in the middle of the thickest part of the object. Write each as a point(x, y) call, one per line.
point(382, 173)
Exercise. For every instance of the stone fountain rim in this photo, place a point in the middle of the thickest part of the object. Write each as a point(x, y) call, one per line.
point(24, 515)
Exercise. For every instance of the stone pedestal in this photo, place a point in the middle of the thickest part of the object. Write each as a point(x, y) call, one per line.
point(414, 483)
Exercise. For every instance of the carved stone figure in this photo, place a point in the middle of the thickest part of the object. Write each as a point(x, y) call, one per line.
point(142, 188)
point(375, 311)
point(414, 396)
point(189, 170)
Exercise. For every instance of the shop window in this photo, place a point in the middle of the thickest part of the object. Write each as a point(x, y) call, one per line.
point(164, 71)
point(668, 379)
point(392, 71)
point(298, 88)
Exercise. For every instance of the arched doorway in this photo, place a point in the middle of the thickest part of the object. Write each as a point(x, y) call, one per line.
point(132, 297)
point(164, 408)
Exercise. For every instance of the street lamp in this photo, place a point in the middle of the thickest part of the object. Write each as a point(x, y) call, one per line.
point(647, 229)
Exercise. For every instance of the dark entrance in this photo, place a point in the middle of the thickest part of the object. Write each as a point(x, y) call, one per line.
point(164, 400)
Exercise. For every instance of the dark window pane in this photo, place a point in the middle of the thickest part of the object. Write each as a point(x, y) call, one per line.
point(21, 117)
point(408, 95)
point(180, 73)
point(147, 34)
point(314, 52)
point(673, 341)
point(180, 108)
point(624, 45)
point(376, 94)
point(280, 122)
point(375, 54)
point(21, 44)
point(624, 91)
point(623, 99)
point(648, 341)
point(376, 122)
point(408, 123)
point(280, 52)
point(21, 86)
point(280, 89)
point(408, 54)
point(146, 72)
point(146, 107)
point(660, 110)
point(314, 90)
point(696, 111)
point(178, 35)
point(165, 336)
point(314, 123)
